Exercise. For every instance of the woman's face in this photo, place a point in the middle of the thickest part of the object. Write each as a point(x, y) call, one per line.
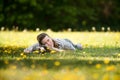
point(47, 41)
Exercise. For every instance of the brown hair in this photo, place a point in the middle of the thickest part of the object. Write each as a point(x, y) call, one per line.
point(55, 44)
point(41, 36)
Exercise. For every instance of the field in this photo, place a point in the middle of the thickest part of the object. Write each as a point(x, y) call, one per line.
point(99, 60)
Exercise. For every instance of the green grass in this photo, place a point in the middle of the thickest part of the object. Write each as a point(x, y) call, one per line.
point(99, 60)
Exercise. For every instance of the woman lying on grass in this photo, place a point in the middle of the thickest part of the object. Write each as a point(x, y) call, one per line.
point(45, 42)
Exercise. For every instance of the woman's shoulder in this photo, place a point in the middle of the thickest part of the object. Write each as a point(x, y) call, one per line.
point(58, 40)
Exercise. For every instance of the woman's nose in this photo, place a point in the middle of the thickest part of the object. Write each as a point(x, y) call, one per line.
point(46, 44)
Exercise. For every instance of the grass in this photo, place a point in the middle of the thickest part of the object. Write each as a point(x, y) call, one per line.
point(99, 60)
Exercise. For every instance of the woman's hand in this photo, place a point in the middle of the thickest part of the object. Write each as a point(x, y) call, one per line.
point(26, 51)
point(56, 49)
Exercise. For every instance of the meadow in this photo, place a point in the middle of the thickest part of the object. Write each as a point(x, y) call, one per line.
point(99, 60)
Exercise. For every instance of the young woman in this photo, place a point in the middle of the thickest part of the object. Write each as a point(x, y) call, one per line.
point(58, 45)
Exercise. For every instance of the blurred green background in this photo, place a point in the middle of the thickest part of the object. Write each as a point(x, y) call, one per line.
point(79, 15)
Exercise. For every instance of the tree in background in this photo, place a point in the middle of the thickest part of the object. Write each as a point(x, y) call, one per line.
point(60, 14)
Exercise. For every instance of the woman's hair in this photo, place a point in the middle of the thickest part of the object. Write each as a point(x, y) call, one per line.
point(40, 37)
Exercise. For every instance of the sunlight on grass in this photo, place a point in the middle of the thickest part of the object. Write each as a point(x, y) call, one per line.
point(86, 38)
point(99, 60)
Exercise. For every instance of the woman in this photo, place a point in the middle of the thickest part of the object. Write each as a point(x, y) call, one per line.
point(58, 45)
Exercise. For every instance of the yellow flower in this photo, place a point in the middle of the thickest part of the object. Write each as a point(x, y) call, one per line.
point(48, 48)
point(84, 52)
point(106, 60)
point(98, 66)
point(106, 77)
point(76, 69)
point(52, 52)
point(110, 68)
point(22, 54)
point(56, 63)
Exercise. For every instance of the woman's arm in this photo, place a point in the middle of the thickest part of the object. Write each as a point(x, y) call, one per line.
point(32, 48)
point(56, 49)
point(65, 44)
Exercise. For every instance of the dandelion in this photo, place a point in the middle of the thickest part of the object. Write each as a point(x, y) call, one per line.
point(6, 51)
point(57, 63)
point(110, 68)
point(18, 59)
point(106, 60)
point(69, 29)
point(89, 62)
point(52, 52)
point(37, 29)
point(98, 66)
point(13, 66)
point(48, 48)
point(106, 77)
point(84, 52)
point(22, 54)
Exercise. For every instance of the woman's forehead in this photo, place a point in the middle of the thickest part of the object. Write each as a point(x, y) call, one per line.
point(45, 39)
